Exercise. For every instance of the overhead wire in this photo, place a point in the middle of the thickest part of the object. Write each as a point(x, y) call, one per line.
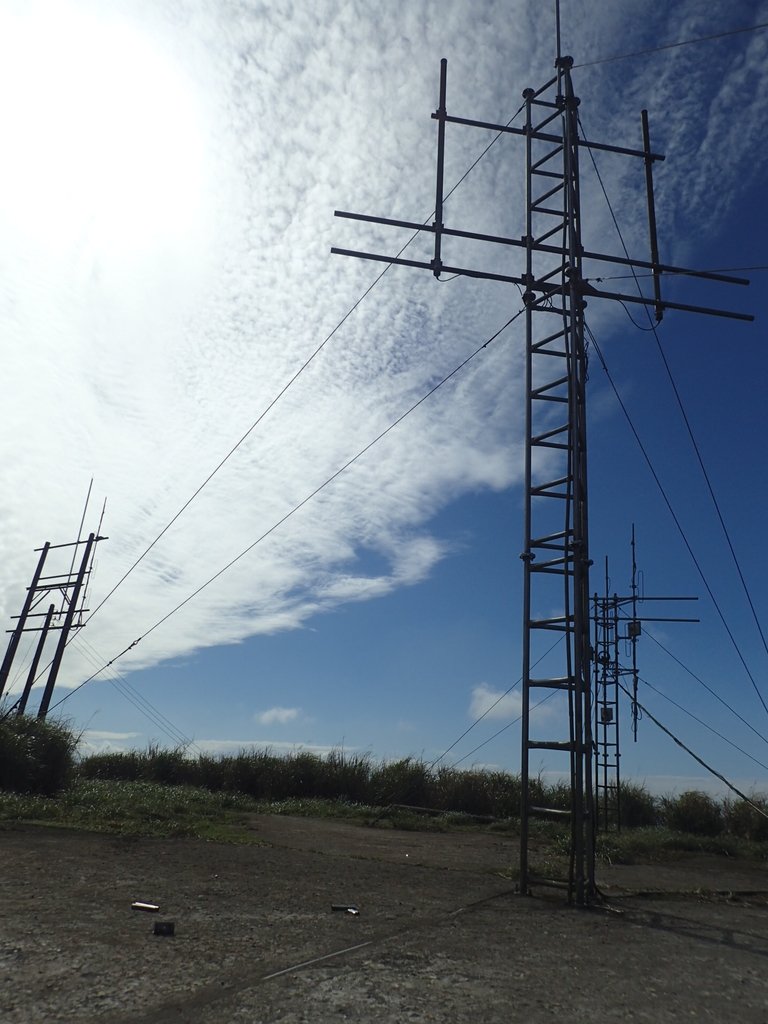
point(137, 699)
point(701, 721)
point(640, 327)
point(647, 632)
point(686, 421)
point(24, 662)
point(672, 273)
point(350, 462)
point(292, 380)
point(673, 46)
point(699, 760)
point(503, 729)
point(490, 708)
point(689, 430)
point(675, 518)
point(248, 432)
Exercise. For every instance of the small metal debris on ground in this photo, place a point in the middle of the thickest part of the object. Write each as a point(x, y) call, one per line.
point(345, 908)
point(149, 908)
point(164, 928)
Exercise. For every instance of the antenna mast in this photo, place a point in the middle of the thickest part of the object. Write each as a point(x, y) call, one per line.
point(556, 595)
point(617, 619)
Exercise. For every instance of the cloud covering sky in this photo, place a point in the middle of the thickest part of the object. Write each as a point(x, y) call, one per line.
point(166, 218)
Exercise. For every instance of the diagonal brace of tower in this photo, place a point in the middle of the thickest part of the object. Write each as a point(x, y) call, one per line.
point(556, 595)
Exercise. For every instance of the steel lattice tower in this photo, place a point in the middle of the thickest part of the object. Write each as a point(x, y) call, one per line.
point(68, 589)
point(617, 619)
point(556, 535)
point(556, 595)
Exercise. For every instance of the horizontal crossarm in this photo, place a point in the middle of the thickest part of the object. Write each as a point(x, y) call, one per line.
point(557, 250)
point(534, 286)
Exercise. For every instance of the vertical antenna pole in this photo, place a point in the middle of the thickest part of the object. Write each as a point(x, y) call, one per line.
point(35, 661)
point(80, 528)
point(652, 216)
point(578, 591)
point(69, 618)
point(557, 29)
point(10, 654)
point(635, 627)
point(527, 555)
point(440, 115)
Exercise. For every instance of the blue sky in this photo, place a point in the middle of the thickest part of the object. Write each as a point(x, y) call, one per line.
point(165, 244)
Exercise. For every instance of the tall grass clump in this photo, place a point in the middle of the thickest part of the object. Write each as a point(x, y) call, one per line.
point(742, 819)
point(637, 807)
point(693, 812)
point(36, 756)
point(475, 791)
point(156, 764)
point(407, 781)
point(112, 766)
point(351, 775)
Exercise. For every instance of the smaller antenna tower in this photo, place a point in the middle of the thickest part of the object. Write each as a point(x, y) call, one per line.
point(66, 594)
point(617, 622)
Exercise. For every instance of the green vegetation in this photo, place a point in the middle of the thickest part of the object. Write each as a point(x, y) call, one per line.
point(697, 813)
point(744, 821)
point(637, 808)
point(658, 843)
point(168, 793)
point(350, 778)
point(135, 808)
point(36, 756)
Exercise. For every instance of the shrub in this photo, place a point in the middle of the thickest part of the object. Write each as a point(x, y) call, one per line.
point(112, 767)
point(637, 808)
point(36, 756)
point(169, 767)
point(211, 773)
point(558, 795)
point(251, 772)
point(693, 812)
point(407, 781)
point(351, 774)
point(477, 791)
point(743, 820)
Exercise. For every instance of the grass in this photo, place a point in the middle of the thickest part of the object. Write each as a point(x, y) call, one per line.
point(659, 844)
point(307, 807)
point(135, 809)
point(35, 756)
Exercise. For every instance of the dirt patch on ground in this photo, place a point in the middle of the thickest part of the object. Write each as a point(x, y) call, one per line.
point(440, 935)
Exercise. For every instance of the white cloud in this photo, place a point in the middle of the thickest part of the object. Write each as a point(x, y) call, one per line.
point(280, 747)
point(277, 716)
point(668, 785)
point(96, 741)
point(97, 734)
point(495, 703)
